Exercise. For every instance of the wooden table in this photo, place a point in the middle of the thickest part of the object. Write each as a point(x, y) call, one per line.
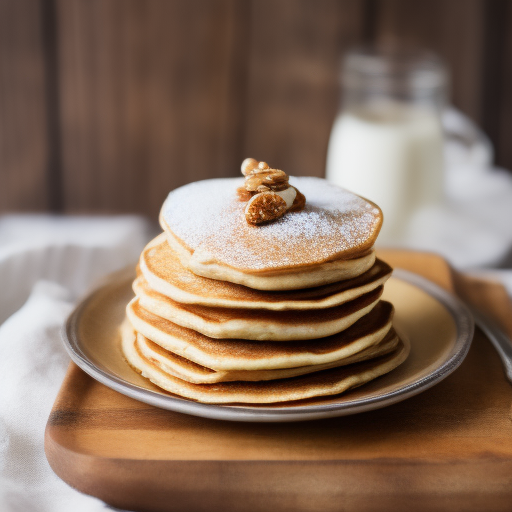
point(449, 448)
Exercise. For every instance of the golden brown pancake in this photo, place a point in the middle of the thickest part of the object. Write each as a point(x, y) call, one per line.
point(238, 354)
point(322, 383)
point(165, 274)
point(321, 274)
point(184, 369)
point(329, 240)
point(256, 324)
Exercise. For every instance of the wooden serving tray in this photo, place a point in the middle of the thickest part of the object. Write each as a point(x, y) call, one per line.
point(449, 448)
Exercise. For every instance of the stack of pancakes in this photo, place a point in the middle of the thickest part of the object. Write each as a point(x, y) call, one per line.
point(226, 312)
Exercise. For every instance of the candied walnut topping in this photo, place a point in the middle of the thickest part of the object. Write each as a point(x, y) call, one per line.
point(264, 207)
point(298, 203)
point(272, 179)
point(268, 192)
point(243, 194)
point(252, 166)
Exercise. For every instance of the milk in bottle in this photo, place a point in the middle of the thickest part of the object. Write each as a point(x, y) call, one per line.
point(386, 144)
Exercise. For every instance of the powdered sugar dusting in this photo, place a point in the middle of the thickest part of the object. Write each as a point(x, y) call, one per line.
point(209, 218)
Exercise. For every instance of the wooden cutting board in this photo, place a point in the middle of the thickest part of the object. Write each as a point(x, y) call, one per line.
point(449, 448)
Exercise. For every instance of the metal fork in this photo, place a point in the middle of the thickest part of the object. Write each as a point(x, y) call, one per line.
point(498, 338)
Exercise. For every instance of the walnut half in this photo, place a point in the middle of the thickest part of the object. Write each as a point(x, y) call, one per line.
point(265, 207)
point(271, 179)
point(268, 193)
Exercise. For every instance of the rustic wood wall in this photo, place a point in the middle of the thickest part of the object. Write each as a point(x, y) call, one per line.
point(106, 105)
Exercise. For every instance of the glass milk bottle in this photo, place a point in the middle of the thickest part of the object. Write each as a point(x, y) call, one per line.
point(387, 143)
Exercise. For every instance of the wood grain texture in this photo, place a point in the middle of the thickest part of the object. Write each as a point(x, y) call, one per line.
point(498, 96)
point(454, 29)
point(148, 100)
point(292, 92)
point(449, 448)
point(107, 105)
point(24, 144)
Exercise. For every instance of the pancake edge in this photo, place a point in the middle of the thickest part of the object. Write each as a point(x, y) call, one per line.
point(242, 328)
point(167, 289)
point(294, 278)
point(192, 353)
point(215, 394)
point(180, 371)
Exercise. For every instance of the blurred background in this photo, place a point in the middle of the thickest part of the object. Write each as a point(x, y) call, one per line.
point(106, 105)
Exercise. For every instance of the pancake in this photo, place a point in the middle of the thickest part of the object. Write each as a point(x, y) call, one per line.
point(321, 274)
point(165, 274)
point(184, 369)
point(239, 354)
point(322, 383)
point(256, 324)
point(331, 239)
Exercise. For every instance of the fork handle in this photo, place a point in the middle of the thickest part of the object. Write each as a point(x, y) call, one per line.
point(498, 338)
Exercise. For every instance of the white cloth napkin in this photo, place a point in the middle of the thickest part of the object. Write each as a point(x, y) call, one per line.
point(50, 261)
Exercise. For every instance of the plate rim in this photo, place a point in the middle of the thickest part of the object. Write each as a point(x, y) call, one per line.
point(459, 312)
